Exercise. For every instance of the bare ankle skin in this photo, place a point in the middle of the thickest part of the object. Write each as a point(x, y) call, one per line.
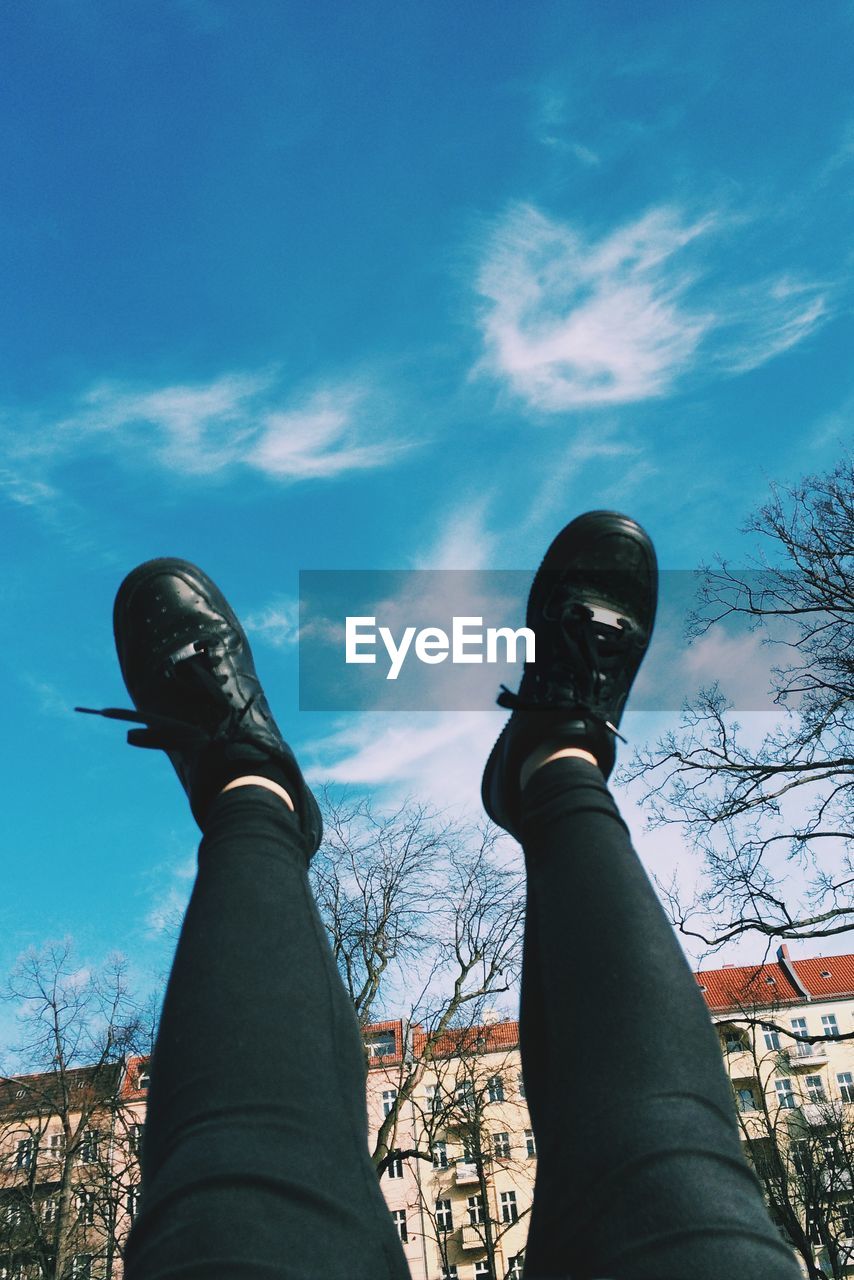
point(545, 754)
point(250, 780)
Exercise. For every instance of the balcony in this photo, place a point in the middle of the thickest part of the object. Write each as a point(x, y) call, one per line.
point(740, 1063)
point(471, 1237)
point(819, 1113)
point(466, 1172)
point(835, 1180)
point(803, 1055)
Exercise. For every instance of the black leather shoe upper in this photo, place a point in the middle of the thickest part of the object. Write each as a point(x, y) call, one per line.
point(189, 670)
point(591, 607)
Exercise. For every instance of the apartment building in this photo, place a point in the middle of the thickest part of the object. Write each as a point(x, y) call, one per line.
point(459, 1151)
point(461, 1189)
point(787, 1036)
point(69, 1179)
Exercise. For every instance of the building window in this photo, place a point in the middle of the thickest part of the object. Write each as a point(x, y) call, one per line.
point(89, 1147)
point(434, 1097)
point(132, 1202)
point(475, 1208)
point(785, 1094)
point(520, 1080)
point(815, 1088)
point(81, 1266)
point(86, 1208)
point(813, 1230)
point(735, 1040)
point(444, 1215)
point(55, 1145)
point(509, 1208)
point(440, 1155)
point(143, 1080)
point(772, 1037)
point(450, 1272)
point(495, 1089)
point(24, 1153)
point(13, 1214)
point(135, 1133)
point(395, 1168)
point(530, 1142)
point(829, 1025)
point(514, 1270)
point(501, 1145)
point(745, 1099)
point(799, 1026)
point(381, 1044)
point(846, 1219)
point(389, 1099)
point(399, 1217)
point(845, 1080)
point(50, 1208)
point(464, 1094)
point(482, 1271)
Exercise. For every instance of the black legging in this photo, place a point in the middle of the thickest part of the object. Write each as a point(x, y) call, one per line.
point(255, 1160)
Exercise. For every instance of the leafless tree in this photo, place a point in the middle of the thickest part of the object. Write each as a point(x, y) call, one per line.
point(471, 1086)
point(798, 1138)
point(424, 918)
point(773, 821)
point(60, 1111)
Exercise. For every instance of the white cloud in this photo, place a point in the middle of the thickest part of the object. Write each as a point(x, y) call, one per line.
point(551, 127)
point(170, 899)
point(571, 322)
point(437, 757)
point(24, 490)
point(320, 439)
point(51, 702)
point(775, 315)
point(740, 663)
point(276, 624)
point(463, 541)
point(234, 421)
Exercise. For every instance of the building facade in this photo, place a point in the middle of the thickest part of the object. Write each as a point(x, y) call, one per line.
point(461, 1188)
point(787, 1036)
point(453, 1135)
point(69, 1174)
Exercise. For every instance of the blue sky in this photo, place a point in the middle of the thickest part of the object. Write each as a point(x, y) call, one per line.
point(380, 286)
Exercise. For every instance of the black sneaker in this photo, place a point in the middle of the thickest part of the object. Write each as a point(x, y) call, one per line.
point(189, 670)
point(591, 608)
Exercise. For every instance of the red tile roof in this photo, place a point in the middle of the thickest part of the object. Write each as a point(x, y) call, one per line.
point(737, 986)
point(130, 1090)
point(839, 983)
point(44, 1094)
point(490, 1038)
point(376, 1029)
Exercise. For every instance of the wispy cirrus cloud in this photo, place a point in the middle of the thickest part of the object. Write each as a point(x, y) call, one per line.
point(23, 490)
point(463, 540)
point(441, 762)
point(276, 624)
point(570, 321)
point(551, 127)
point(230, 423)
